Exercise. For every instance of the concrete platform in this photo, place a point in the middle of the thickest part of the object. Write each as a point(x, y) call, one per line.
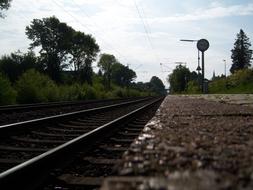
point(193, 142)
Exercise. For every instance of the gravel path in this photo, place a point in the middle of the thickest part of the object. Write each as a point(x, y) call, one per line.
point(192, 143)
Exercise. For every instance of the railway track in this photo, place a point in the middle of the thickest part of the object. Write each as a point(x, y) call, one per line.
point(39, 106)
point(30, 150)
point(17, 113)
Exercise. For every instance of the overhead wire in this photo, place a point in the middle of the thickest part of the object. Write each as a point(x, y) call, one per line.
point(141, 15)
point(88, 28)
point(146, 30)
point(96, 25)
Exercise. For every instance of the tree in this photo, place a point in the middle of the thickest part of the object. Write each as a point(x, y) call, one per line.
point(17, 63)
point(157, 86)
point(241, 53)
point(7, 93)
point(54, 39)
point(122, 75)
point(141, 86)
point(105, 64)
point(4, 5)
point(179, 78)
point(84, 50)
point(33, 87)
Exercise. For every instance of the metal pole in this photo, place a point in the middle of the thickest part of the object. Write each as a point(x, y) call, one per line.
point(198, 69)
point(225, 71)
point(198, 58)
point(203, 70)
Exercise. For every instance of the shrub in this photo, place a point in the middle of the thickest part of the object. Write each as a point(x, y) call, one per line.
point(218, 86)
point(33, 87)
point(133, 93)
point(239, 82)
point(71, 92)
point(7, 93)
point(99, 90)
point(193, 87)
point(78, 92)
point(118, 92)
point(241, 77)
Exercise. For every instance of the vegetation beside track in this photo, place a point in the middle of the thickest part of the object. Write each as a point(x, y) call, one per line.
point(239, 82)
point(63, 70)
point(35, 87)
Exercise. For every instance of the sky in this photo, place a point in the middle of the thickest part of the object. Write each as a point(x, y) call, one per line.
point(141, 33)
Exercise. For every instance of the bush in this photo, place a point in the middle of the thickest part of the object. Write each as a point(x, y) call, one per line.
point(7, 93)
point(193, 87)
point(218, 86)
point(77, 92)
point(239, 82)
point(34, 87)
point(99, 90)
point(241, 77)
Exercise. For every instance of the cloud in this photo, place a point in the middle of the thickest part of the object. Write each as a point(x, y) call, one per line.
point(211, 13)
point(118, 29)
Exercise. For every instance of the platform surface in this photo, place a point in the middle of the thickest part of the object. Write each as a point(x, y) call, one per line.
point(193, 142)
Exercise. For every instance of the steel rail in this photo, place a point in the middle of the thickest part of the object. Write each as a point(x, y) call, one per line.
point(30, 174)
point(19, 126)
point(24, 107)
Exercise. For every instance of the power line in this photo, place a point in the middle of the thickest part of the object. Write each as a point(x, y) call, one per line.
point(145, 19)
point(95, 25)
point(89, 17)
point(72, 16)
point(145, 29)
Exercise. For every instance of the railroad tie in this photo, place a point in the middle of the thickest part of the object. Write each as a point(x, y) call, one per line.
point(75, 126)
point(129, 134)
point(71, 179)
point(133, 129)
point(113, 148)
point(27, 149)
point(54, 135)
point(137, 126)
point(12, 161)
point(29, 140)
point(122, 140)
point(69, 130)
point(104, 161)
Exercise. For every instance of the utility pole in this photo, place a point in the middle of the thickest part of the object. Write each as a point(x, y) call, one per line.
point(225, 67)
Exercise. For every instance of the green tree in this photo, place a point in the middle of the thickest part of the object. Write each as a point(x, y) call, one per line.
point(33, 87)
point(15, 64)
point(54, 39)
point(142, 86)
point(7, 93)
point(84, 50)
point(122, 75)
point(241, 53)
point(105, 64)
point(178, 79)
point(157, 86)
point(9, 67)
point(4, 5)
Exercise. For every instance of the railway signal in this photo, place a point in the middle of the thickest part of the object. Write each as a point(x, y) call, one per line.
point(202, 45)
